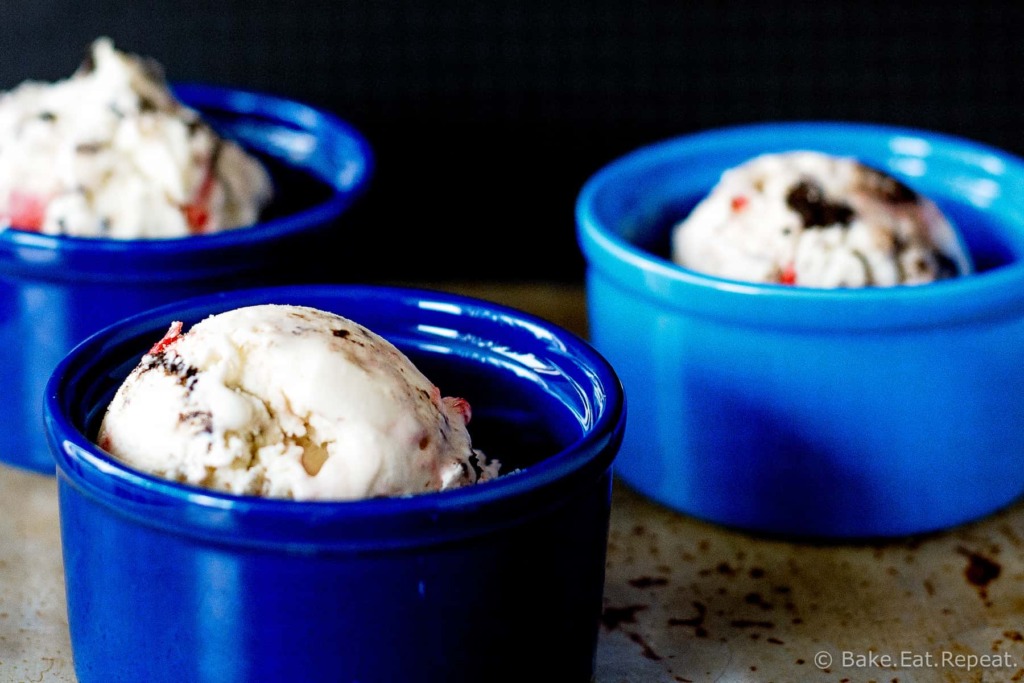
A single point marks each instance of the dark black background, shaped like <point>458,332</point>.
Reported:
<point>486,117</point>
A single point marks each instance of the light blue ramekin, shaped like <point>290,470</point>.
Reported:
<point>812,412</point>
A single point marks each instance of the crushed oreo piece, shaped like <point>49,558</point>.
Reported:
<point>340,334</point>
<point>173,365</point>
<point>885,187</point>
<point>815,210</point>
<point>201,420</point>
<point>153,69</point>
<point>218,146</point>
<point>194,125</point>
<point>89,147</point>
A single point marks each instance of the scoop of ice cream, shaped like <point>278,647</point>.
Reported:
<point>815,220</point>
<point>109,152</point>
<point>290,402</point>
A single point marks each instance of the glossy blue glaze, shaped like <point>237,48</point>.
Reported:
<point>56,290</point>
<point>500,581</point>
<point>797,411</point>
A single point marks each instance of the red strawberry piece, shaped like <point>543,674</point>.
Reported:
<point>788,276</point>
<point>197,212</point>
<point>461,406</point>
<point>27,210</point>
<point>172,335</point>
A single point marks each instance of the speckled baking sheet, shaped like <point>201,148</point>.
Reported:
<point>684,600</point>
<point>689,601</point>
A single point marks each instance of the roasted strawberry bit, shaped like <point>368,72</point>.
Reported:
<point>788,276</point>
<point>26,211</point>
<point>197,217</point>
<point>739,203</point>
<point>197,212</point>
<point>461,406</point>
<point>173,334</point>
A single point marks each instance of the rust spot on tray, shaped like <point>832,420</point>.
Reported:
<point>697,621</point>
<point>980,572</point>
<point>751,623</point>
<point>645,649</point>
<point>722,568</point>
<point>758,600</point>
<point>614,617</point>
<point>1012,535</point>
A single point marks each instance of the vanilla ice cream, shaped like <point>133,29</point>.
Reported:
<point>110,152</point>
<point>290,402</point>
<point>810,219</point>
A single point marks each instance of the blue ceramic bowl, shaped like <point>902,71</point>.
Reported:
<point>56,290</point>
<point>501,581</point>
<point>811,412</point>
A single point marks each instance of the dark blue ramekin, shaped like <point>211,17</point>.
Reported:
<point>56,290</point>
<point>813,412</point>
<point>500,581</point>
